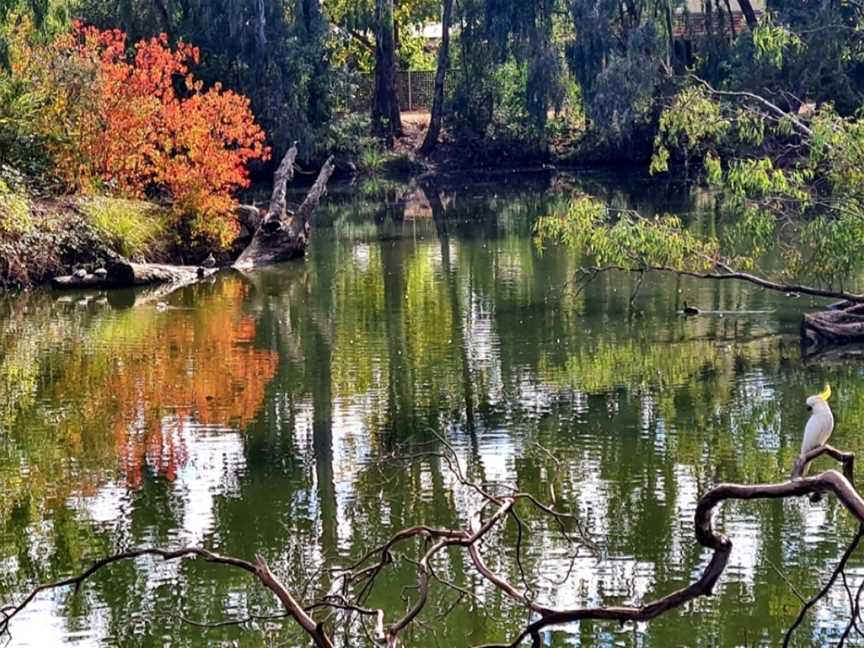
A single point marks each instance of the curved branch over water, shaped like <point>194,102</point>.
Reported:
<point>353,584</point>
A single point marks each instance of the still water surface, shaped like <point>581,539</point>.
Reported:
<point>252,415</point>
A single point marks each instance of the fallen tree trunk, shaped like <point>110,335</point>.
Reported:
<point>124,274</point>
<point>249,218</point>
<point>276,238</point>
<point>834,326</point>
<point>281,238</point>
<point>73,282</point>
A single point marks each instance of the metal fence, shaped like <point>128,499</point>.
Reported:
<point>415,88</point>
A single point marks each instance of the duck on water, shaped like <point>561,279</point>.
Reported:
<point>690,310</point>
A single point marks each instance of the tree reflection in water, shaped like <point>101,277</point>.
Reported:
<point>250,417</point>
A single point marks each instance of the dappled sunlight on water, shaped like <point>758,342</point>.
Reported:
<point>266,413</point>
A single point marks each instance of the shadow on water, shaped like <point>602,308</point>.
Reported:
<point>251,414</point>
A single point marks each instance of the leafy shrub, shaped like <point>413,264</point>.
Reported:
<point>14,211</point>
<point>371,161</point>
<point>136,123</point>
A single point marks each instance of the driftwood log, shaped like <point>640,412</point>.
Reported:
<point>840,324</point>
<point>124,274</point>
<point>282,235</point>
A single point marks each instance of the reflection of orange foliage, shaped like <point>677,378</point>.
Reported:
<point>161,371</point>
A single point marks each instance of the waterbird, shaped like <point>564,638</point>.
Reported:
<point>80,273</point>
<point>209,262</point>
<point>101,273</point>
<point>161,306</point>
<point>690,310</point>
<point>820,425</point>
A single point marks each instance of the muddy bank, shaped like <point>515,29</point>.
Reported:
<point>57,236</point>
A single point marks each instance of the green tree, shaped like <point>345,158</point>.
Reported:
<point>386,114</point>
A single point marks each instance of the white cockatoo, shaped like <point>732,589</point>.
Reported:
<point>821,423</point>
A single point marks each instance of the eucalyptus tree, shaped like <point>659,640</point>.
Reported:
<point>379,35</point>
<point>510,66</point>
<point>430,141</point>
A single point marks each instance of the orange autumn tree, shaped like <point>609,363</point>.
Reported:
<point>149,126</point>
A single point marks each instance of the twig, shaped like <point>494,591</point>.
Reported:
<point>785,578</point>
<point>837,570</point>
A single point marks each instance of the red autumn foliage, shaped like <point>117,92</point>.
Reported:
<point>155,127</point>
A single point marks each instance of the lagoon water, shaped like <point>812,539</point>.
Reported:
<point>259,413</point>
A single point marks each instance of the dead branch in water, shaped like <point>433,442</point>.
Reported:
<point>283,236</point>
<point>351,586</point>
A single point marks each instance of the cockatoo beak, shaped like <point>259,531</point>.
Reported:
<point>825,395</point>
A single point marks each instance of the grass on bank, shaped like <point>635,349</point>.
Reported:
<point>130,227</point>
<point>15,216</point>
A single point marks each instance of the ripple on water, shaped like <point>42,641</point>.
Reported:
<point>248,416</point>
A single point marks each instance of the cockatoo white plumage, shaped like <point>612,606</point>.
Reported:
<point>821,423</point>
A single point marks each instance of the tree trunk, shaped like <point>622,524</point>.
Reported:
<point>316,32</point>
<point>260,34</point>
<point>670,34</point>
<point>284,175</point>
<point>123,274</point>
<point>834,326</point>
<point>249,217</point>
<point>731,18</point>
<point>279,239</point>
<point>749,14</point>
<point>163,14</point>
<point>386,118</point>
<point>434,131</point>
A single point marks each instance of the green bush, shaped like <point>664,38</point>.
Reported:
<point>371,161</point>
<point>15,218</point>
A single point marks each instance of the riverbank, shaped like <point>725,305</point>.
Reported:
<point>42,236</point>
<point>569,147</point>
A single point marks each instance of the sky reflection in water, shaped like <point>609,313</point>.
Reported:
<point>251,416</point>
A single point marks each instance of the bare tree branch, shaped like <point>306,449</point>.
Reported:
<point>352,585</point>
<point>837,571</point>
<point>259,570</point>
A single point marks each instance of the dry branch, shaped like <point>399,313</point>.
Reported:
<point>280,238</point>
<point>351,586</point>
<point>284,174</point>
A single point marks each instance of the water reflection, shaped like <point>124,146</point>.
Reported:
<point>252,415</point>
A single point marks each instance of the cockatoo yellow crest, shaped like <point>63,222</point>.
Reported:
<point>821,423</point>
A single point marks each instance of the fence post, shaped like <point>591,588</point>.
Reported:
<point>410,98</point>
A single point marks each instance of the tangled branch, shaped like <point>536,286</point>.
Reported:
<point>352,586</point>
